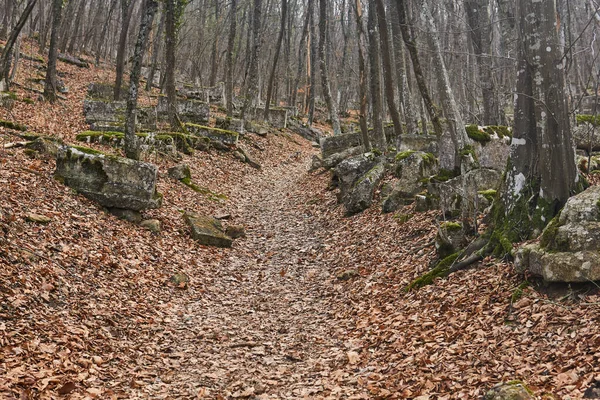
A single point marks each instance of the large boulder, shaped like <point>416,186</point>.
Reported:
<point>103,115</point>
<point>188,110</point>
<point>337,144</point>
<point>412,169</point>
<point>586,137</point>
<point>494,153</point>
<point>207,231</point>
<point>336,158</point>
<point>112,181</point>
<point>569,247</point>
<point>278,117</point>
<point>214,134</point>
<point>358,177</point>
<point>425,143</point>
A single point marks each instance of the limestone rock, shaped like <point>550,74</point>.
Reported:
<point>586,137</point>
<point>229,138</point>
<point>494,153</point>
<point>105,115</point>
<point>358,178</point>
<point>509,391</point>
<point>230,124</point>
<point>188,110</point>
<point>153,225</point>
<point>569,247</point>
<point>125,214</point>
<point>278,116</point>
<point>179,172</point>
<point>411,168</point>
<point>207,231</point>
<point>337,144</point>
<point>180,280</point>
<point>316,163</point>
<point>38,218</point>
<point>236,231</point>
<point>112,181</point>
<point>44,146</point>
<point>425,143</point>
<point>255,127</point>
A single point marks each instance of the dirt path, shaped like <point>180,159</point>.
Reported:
<point>265,326</point>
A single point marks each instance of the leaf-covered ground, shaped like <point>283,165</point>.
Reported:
<point>87,309</point>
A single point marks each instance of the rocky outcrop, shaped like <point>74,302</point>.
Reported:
<point>230,124</point>
<point>569,248</point>
<point>337,144</point>
<point>207,231</point>
<point>336,158</point>
<point>278,117</point>
<point>180,172</point>
<point>214,134</point>
<point>358,177</point>
<point>148,142</point>
<point>104,115</point>
<point>586,137</point>
<point>104,91</point>
<point>425,143</point>
<point>412,169</point>
<point>188,110</point>
<point>113,182</point>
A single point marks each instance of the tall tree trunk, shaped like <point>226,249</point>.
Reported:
<point>480,33</point>
<point>100,41</point>
<point>78,27</point>
<point>275,58</point>
<point>362,77</point>
<point>378,135</point>
<point>155,52</point>
<point>384,39</point>
<point>401,71</point>
<point>50,83</point>
<point>6,56</point>
<point>214,66</point>
<point>301,48</point>
<point>449,158</point>
<point>131,144</point>
<point>126,13</point>
<point>229,62</point>
<point>330,101</point>
<point>170,44</point>
<point>411,45</point>
<point>252,87</point>
<point>312,72</point>
<point>542,172</point>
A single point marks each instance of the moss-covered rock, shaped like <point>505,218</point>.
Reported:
<point>207,230</point>
<point>477,133</point>
<point>13,125</point>
<point>214,134</point>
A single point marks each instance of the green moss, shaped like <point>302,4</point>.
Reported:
<point>402,218</point>
<point>501,131</point>
<point>518,292</point>
<point>428,159</point>
<point>479,136</point>
<point>489,194</point>
<point>549,238</point>
<point>590,119</point>
<point>87,150</point>
<point>468,150</point>
<point>207,192</point>
<point>445,175</point>
<point>451,226</point>
<point>27,100</point>
<point>9,95</point>
<point>441,270</point>
<point>13,125</point>
<point>404,154</point>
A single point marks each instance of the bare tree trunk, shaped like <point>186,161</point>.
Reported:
<point>104,32</point>
<point>50,84</point>
<point>312,78</point>
<point>275,58</point>
<point>420,78</point>
<point>215,46</point>
<point>6,56</point>
<point>301,47</point>
<point>331,102</point>
<point>253,76</point>
<point>78,27</point>
<point>126,12</point>
<point>131,144</point>
<point>378,136</point>
<point>362,77</point>
<point>229,61</point>
<point>387,68</point>
<point>170,44</point>
<point>542,173</point>
<point>480,33</point>
<point>449,158</point>
<point>155,52</point>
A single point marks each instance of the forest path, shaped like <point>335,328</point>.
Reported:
<point>266,327</point>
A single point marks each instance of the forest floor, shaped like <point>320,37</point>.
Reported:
<point>310,305</point>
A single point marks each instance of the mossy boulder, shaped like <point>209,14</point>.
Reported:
<point>180,172</point>
<point>226,137</point>
<point>207,231</point>
<point>358,178</point>
<point>188,110</point>
<point>569,247</point>
<point>337,144</point>
<point>514,390</point>
<point>112,181</point>
<point>230,124</point>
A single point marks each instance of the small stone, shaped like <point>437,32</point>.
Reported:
<point>236,231</point>
<point>153,225</point>
<point>38,218</point>
<point>347,275</point>
<point>127,215</point>
<point>224,216</point>
<point>97,360</point>
<point>509,391</point>
<point>180,280</point>
<point>239,156</point>
<point>179,172</point>
<point>207,230</point>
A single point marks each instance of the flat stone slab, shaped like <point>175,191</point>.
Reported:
<point>207,231</point>
<point>337,144</point>
<point>214,134</point>
<point>112,181</point>
<point>189,110</point>
<point>110,115</point>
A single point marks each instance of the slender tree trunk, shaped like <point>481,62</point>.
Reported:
<point>170,44</point>
<point>362,77</point>
<point>387,68</point>
<point>103,34</point>
<point>378,135</point>
<point>126,12</point>
<point>50,83</point>
<point>253,75</point>
<point>155,52</point>
<point>418,71</point>
<point>312,77</point>
<point>131,144</point>
<point>329,100</point>
<point>214,66</point>
<point>301,48</point>
<point>6,56</point>
<point>229,61</point>
<point>275,59</point>
<point>78,27</point>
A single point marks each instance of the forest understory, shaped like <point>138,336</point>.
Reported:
<point>311,304</point>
